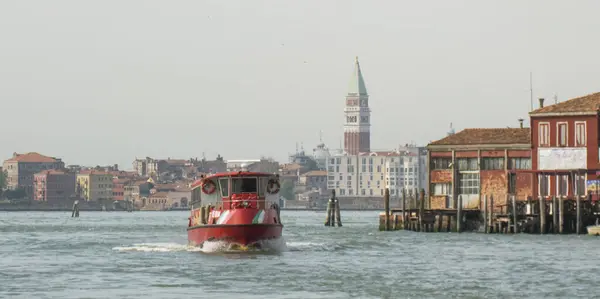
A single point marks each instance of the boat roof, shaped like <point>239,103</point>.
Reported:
<point>233,174</point>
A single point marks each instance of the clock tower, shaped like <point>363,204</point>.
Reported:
<point>357,125</point>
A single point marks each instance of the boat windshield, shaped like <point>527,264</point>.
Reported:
<point>243,185</point>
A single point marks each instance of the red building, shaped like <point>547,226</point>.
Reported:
<point>565,147</point>
<point>476,162</point>
<point>54,185</point>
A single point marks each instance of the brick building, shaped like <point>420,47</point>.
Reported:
<point>565,151</point>
<point>54,186</point>
<point>475,162</point>
<point>21,169</point>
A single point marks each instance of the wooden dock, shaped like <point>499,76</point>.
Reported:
<point>509,215</point>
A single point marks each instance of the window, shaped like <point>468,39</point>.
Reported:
<point>580,184</point>
<point>243,185</point>
<point>467,164</point>
<point>469,183</point>
<point>492,163</point>
<point>512,183</point>
<point>561,136</point>
<point>437,163</point>
<point>580,133</point>
<point>544,134</point>
<point>543,185</point>
<point>441,189</point>
<point>562,185</point>
<point>363,192</point>
<point>519,163</point>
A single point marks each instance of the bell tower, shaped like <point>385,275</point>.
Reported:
<point>357,125</point>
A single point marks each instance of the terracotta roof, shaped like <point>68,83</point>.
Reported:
<point>316,173</point>
<point>31,158</point>
<point>159,194</point>
<point>487,136</point>
<point>587,103</point>
<point>51,171</point>
<point>93,171</point>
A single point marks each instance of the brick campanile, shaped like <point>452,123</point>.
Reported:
<point>357,126</point>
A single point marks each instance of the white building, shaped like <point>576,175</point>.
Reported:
<point>369,174</point>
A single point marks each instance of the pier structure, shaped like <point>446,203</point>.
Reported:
<point>540,179</point>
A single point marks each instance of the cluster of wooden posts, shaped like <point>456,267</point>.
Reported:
<point>333,211</point>
<point>504,215</point>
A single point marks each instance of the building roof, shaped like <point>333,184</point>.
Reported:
<point>357,82</point>
<point>94,172</point>
<point>586,104</point>
<point>316,173</point>
<point>159,194</point>
<point>32,157</point>
<point>381,153</point>
<point>487,136</point>
<point>51,171</point>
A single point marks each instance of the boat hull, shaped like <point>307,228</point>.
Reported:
<point>241,234</point>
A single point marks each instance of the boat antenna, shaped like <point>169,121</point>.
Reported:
<point>555,98</point>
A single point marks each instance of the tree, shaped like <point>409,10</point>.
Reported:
<point>287,190</point>
<point>3,181</point>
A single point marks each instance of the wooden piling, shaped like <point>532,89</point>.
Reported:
<point>542,214</point>
<point>329,212</point>
<point>578,221</point>
<point>386,204</point>
<point>554,215</point>
<point>485,216</point>
<point>75,210</point>
<point>459,214</point>
<point>421,209</point>
<point>491,225</point>
<point>338,213</point>
<point>514,212</point>
<point>561,215</point>
<point>404,222</point>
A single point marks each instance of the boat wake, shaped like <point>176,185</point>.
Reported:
<point>266,246</point>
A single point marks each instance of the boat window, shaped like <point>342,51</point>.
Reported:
<point>262,186</point>
<point>243,185</point>
<point>224,185</point>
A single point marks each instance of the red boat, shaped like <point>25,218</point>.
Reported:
<point>241,208</point>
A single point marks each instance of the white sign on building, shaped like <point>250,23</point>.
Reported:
<point>562,158</point>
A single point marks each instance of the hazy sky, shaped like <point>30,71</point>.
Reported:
<point>101,82</point>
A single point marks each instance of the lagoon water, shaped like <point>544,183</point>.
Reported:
<point>144,255</point>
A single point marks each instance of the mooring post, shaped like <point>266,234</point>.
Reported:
<point>491,225</point>
<point>578,222</point>
<point>459,213</point>
<point>485,216</point>
<point>75,210</point>
<point>561,215</point>
<point>338,213</point>
<point>329,212</point>
<point>514,212</point>
<point>386,204</point>
<point>554,215</point>
<point>404,224</point>
<point>542,215</point>
<point>421,209</point>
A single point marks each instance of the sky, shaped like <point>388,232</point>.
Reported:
<point>104,82</point>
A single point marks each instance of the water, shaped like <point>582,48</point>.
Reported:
<point>143,255</point>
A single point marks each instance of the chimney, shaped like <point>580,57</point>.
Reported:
<point>541,102</point>
<point>521,123</point>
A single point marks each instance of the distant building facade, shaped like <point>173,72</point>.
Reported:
<point>21,169</point>
<point>94,185</point>
<point>54,186</point>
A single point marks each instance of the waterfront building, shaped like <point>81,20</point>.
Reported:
<point>476,162</point>
<point>565,153</point>
<point>94,185</point>
<point>367,175</point>
<point>21,169</point>
<point>54,186</point>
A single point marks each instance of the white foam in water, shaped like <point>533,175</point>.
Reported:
<point>277,245</point>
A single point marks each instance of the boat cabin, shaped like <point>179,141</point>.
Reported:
<point>232,190</point>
